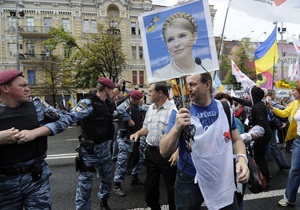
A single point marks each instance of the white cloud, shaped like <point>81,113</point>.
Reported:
<point>239,24</point>
<point>164,2</point>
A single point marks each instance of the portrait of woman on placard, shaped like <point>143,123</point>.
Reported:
<point>180,33</point>
<point>178,41</point>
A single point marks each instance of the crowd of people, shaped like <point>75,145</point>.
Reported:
<point>191,149</point>
<point>278,118</point>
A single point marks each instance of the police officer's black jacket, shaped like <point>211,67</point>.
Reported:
<point>99,125</point>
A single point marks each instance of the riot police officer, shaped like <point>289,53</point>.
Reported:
<point>94,149</point>
<point>24,174</point>
<point>130,121</point>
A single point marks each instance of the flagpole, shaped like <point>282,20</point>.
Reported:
<point>274,65</point>
<point>273,72</point>
<point>222,36</point>
<point>181,91</point>
<point>281,33</point>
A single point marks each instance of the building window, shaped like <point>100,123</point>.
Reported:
<point>141,77</point>
<point>133,28</point>
<point>30,49</point>
<point>134,77</point>
<point>133,52</point>
<point>11,25</point>
<point>12,49</point>
<point>29,24</point>
<point>93,26</point>
<point>31,74</point>
<point>66,24</point>
<point>47,24</point>
<point>141,53</point>
<point>86,26</point>
<point>113,16</point>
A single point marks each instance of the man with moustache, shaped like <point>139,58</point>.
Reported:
<point>155,123</point>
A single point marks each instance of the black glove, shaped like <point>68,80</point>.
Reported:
<point>78,163</point>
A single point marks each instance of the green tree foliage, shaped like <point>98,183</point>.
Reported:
<point>59,37</point>
<point>53,80</point>
<point>101,56</point>
<point>54,76</point>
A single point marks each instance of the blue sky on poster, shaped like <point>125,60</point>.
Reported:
<point>155,37</point>
<point>239,24</point>
<point>157,55</point>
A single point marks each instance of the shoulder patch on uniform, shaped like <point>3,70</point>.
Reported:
<point>80,106</point>
<point>44,103</point>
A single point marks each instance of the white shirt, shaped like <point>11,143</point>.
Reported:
<point>156,121</point>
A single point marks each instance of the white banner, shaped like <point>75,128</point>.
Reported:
<point>241,77</point>
<point>287,11</point>
<point>294,71</point>
<point>296,44</point>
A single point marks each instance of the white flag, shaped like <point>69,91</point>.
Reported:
<point>290,70</point>
<point>287,11</point>
<point>240,76</point>
<point>295,71</point>
<point>296,44</point>
<point>232,93</point>
<point>63,99</point>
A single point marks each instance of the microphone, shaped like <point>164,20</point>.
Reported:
<point>125,82</point>
<point>199,62</point>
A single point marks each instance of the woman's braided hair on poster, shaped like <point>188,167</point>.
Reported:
<point>192,26</point>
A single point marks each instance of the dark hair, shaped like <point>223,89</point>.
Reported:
<point>226,96</point>
<point>207,77</point>
<point>270,92</point>
<point>161,86</point>
<point>100,87</point>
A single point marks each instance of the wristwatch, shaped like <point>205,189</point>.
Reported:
<point>241,155</point>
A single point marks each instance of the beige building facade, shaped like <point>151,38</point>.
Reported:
<point>33,20</point>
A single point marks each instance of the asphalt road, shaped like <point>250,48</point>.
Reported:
<point>61,154</point>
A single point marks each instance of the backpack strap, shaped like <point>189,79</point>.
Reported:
<point>227,112</point>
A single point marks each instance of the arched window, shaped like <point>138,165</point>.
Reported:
<point>113,16</point>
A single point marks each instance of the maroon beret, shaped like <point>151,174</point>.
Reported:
<point>136,94</point>
<point>8,75</point>
<point>107,82</point>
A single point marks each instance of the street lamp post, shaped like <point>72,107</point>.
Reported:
<point>17,36</point>
<point>250,33</point>
<point>18,5</point>
<point>281,31</point>
<point>259,37</point>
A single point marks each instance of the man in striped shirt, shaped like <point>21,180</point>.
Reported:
<point>155,123</point>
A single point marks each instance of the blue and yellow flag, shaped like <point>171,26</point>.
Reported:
<point>266,54</point>
<point>72,100</point>
<point>217,84</point>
